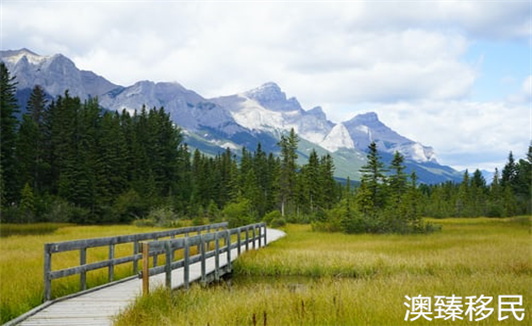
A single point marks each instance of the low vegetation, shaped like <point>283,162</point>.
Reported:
<point>323,278</point>
<point>21,262</point>
<point>7,229</point>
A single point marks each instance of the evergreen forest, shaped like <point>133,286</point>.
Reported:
<point>68,160</point>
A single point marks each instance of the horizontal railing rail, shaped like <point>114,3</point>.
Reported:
<point>257,238</point>
<point>111,262</point>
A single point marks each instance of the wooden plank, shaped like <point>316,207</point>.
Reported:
<point>100,242</point>
<point>99,307</point>
<point>145,268</point>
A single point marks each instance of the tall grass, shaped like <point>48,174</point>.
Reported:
<point>8,229</point>
<point>22,259</point>
<point>313,278</point>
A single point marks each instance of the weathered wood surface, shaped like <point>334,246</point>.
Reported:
<point>83,245</point>
<point>99,307</point>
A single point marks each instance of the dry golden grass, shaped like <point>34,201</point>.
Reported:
<point>21,265</point>
<point>311,278</point>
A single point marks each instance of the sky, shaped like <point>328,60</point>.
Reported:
<point>454,75</point>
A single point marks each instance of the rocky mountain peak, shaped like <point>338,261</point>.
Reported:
<point>272,97</point>
<point>244,119</point>
<point>14,56</point>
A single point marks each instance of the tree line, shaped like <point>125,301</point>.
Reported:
<point>68,160</point>
<point>508,194</point>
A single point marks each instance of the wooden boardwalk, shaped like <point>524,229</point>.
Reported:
<point>99,306</point>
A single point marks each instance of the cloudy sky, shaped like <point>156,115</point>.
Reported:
<point>455,75</point>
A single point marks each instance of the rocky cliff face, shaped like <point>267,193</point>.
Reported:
<point>260,115</point>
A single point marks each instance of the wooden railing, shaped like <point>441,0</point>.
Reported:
<point>253,234</point>
<point>111,262</point>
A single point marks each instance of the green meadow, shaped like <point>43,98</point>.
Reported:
<point>315,278</point>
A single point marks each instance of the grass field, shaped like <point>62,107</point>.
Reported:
<point>21,262</point>
<point>312,278</point>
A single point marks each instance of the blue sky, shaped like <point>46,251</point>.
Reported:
<point>502,68</point>
<point>454,75</point>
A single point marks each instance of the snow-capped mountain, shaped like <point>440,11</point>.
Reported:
<point>267,108</point>
<point>55,73</point>
<point>261,114</point>
<point>366,128</point>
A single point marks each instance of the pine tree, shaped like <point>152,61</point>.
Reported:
<point>9,191</point>
<point>397,180</point>
<point>287,180</point>
<point>37,108</point>
<point>509,173</point>
<point>463,202</point>
<point>374,181</point>
<point>27,151</point>
<point>27,205</point>
<point>328,195</point>
<point>110,166</point>
<point>312,181</point>
<point>495,208</point>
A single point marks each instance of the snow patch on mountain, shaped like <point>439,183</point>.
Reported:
<point>367,128</point>
<point>338,138</point>
<point>13,57</point>
<point>266,108</point>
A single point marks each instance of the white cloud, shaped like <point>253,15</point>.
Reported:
<point>403,59</point>
<point>465,134</point>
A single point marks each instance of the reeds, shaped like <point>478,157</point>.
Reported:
<point>313,278</point>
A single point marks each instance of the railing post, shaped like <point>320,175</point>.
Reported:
<point>155,254</point>
<point>247,238</point>
<point>203,261</point>
<point>239,241</point>
<point>135,259</point>
<point>47,270</point>
<point>260,236</point>
<point>145,268</point>
<point>208,242</point>
<point>254,237</point>
<point>199,234</point>
<point>228,246</point>
<point>83,275</point>
<point>186,267</point>
<point>265,235</point>
<point>168,264</point>
<point>216,256</point>
<point>111,264</point>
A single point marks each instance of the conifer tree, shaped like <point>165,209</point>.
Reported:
<point>373,182</point>
<point>287,178</point>
<point>328,196</point>
<point>397,180</point>
<point>9,190</point>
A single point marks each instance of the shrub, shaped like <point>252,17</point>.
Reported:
<point>268,218</point>
<point>163,216</point>
<point>278,222</point>
<point>238,213</point>
<point>128,206</point>
<point>63,211</point>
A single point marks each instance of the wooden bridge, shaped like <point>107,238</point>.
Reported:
<point>204,257</point>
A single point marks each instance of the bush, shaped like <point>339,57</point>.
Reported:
<point>63,211</point>
<point>238,213</point>
<point>268,218</point>
<point>128,206</point>
<point>278,222</point>
<point>163,217</point>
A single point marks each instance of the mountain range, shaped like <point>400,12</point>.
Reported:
<point>261,114</point>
